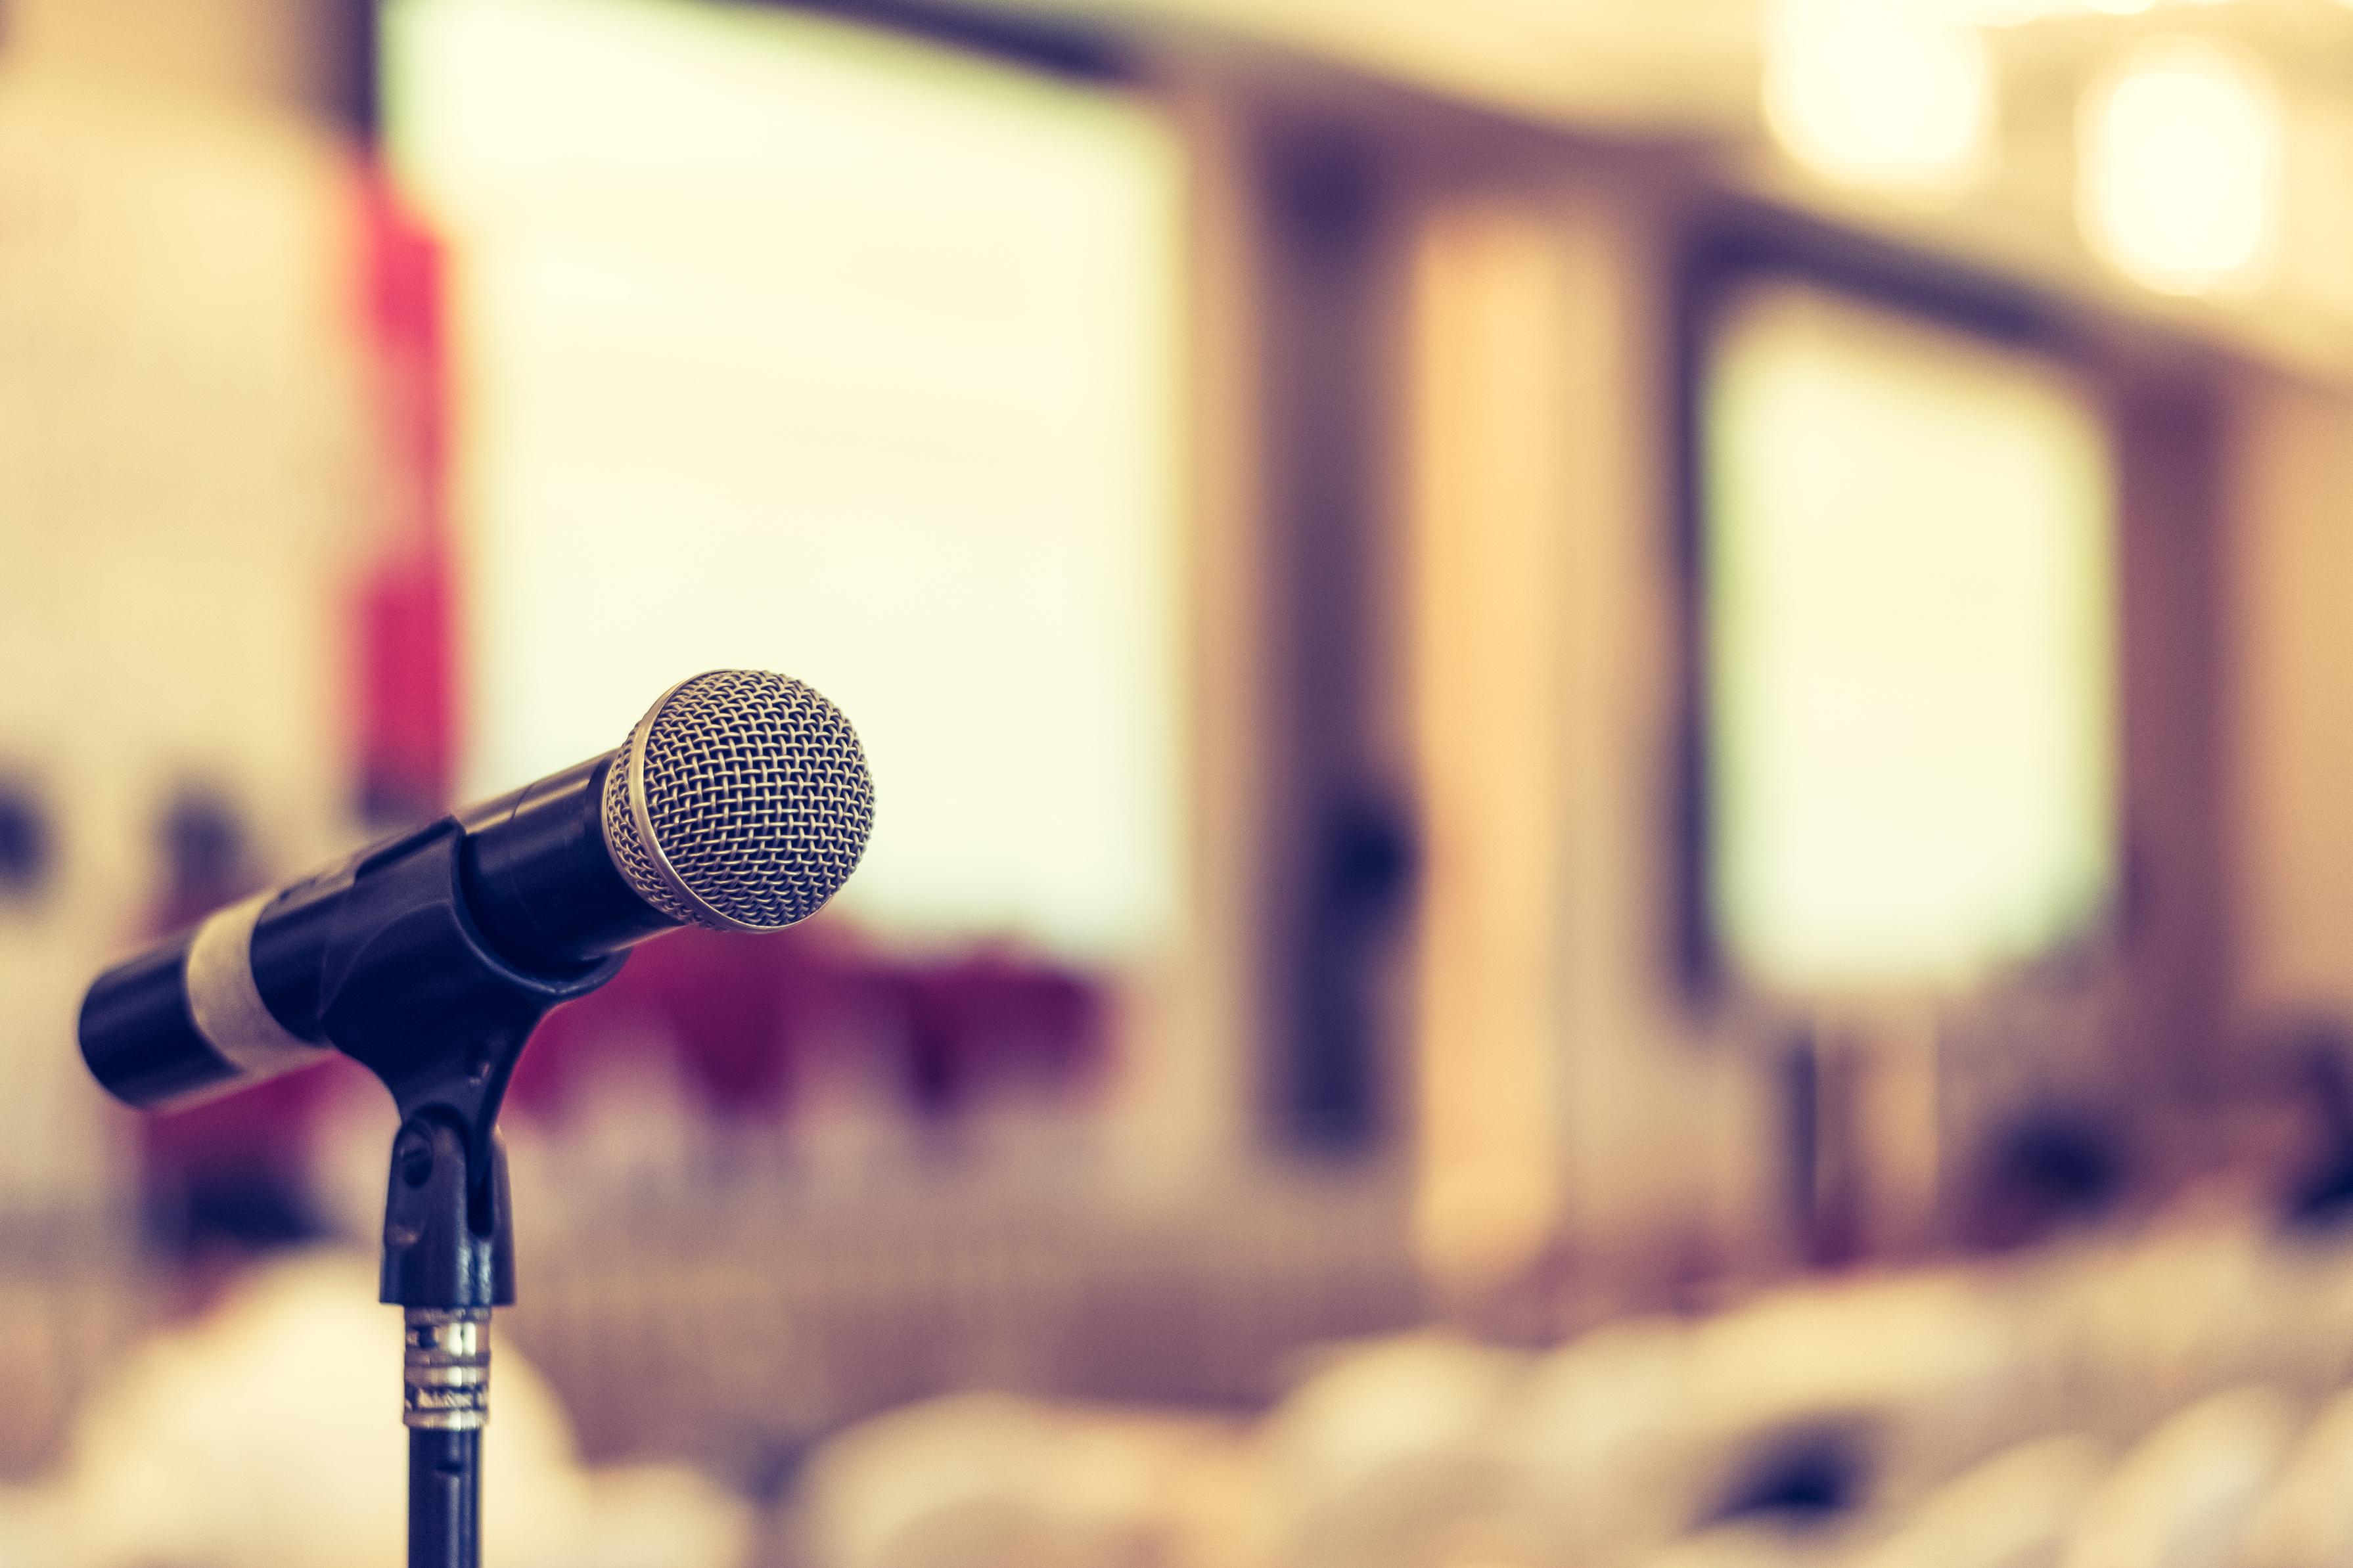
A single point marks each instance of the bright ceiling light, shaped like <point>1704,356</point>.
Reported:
<point>1884,92</point>
<point>2180,165</point>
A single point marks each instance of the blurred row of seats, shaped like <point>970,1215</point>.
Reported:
<point>2173,1399</point>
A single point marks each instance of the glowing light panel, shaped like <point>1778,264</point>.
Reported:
<point>788,345</point>
<point>1909,619</point>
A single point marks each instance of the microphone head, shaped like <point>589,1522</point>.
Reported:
<point>739,802</point>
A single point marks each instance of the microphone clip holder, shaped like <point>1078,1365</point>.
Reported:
<point>411,989</point>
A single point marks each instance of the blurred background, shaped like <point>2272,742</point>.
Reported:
<point>1614,748</point>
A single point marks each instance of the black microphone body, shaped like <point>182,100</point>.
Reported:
<point>540,880</point>
<point>485,918</point>
<point>534,886</point>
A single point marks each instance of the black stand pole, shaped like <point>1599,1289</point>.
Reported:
<point>445,1498</point>
<point>416,994</point>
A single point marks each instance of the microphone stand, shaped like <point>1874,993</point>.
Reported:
<point>412,990</point>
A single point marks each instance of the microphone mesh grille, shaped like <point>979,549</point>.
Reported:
<point>759,796</point>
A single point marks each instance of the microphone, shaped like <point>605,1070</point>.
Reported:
<point>739,802</point>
